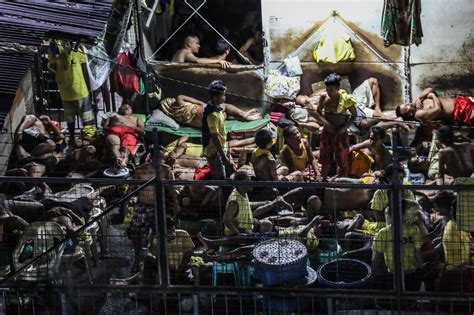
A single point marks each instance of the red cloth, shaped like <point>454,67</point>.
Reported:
<point>274,116</point>
<point>337,145</point>
<point>463,107</point>
<point>127,135</point>
<point>125,77</point>
<point>202,173</point>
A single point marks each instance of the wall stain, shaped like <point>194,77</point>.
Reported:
<point>450,85</point>
<point>392,53</point>
<point>246,83</point>
<point>291,39</point>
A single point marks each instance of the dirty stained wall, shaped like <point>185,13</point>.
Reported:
<point>244,83</point>
<point>443,60</point>
<point>291,24</point>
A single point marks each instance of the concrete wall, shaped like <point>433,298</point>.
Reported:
<point>244,83</point>
<point>22,104</point>
<point>444,59</point>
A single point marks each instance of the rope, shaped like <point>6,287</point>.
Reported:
<point>250,98</point>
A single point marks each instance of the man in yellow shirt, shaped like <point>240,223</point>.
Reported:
<point>214,134</point>
<point>382,252</point>
<point>180,250</point>
<point>332,112</point>
<point>381,197</point>
<point>456,245</point>
<point>67,63</point>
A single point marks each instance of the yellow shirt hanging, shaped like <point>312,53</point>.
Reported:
<point>334,45</point>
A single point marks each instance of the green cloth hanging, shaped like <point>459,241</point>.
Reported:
<point>401,22</point>
<point>142,86</point>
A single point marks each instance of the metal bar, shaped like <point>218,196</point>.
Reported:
<point>140,38</point>
<point>94,289</point>
<point>396,215</point>
<point>117,181</point>
<point>78,231</point>
<point>177,30</point>
<point>160,215</point>
<point>152,13</point>
<point>12,179</point>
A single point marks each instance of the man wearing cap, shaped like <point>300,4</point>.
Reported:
<point>214,134</point>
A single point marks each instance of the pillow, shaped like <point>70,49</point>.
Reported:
<point>158,118</point>
<point>140,116</point>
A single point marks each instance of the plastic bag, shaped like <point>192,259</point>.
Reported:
<point>277,85</point>
<point>293,66</point>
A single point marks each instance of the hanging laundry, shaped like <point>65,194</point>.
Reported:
<point>126,79</point>
<point>334,45</point>
<point>401,23</point>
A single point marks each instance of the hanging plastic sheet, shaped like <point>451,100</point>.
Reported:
<point>101,58</point>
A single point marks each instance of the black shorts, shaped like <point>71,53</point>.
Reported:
<point>29,142</point>
<point>81,206</point>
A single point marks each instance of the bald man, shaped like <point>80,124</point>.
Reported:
<point>188,53</point>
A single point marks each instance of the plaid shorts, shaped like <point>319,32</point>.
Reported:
<point>81,108</point>
<point>142,222</point>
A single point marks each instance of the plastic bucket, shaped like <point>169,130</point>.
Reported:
<point>328,250</point>
<point>344,273</point>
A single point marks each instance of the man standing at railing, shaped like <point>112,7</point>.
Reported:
<point>214,134</point>
<point>143,220</point>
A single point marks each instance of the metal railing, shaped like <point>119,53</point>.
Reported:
<point>113,287</point>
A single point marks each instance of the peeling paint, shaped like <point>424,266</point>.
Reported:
<point>282,44</point>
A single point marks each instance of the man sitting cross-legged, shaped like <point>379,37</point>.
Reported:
<point>376,148</point>
<point>264,163</point>
<point>296,155</point>
<point>240,224</point>
<point>455,159</point>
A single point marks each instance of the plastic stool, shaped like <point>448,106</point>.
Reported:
<point>224,268</point>
<point>244,275</point>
